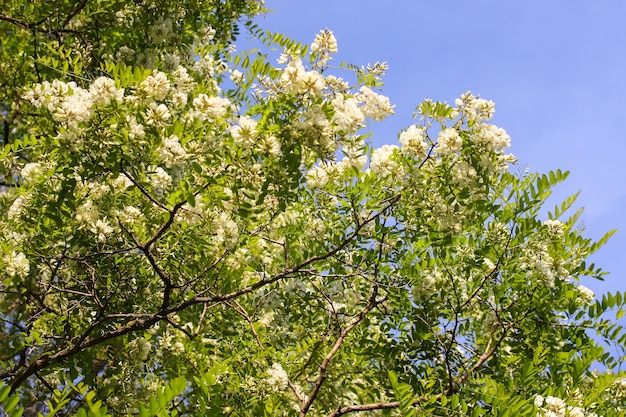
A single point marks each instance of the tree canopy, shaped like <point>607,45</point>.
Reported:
<point>192,230</point>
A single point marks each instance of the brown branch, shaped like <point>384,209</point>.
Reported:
<point>371,303</point>
<point>83,341</point>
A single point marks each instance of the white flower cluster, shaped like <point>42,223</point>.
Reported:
<point>475,108</point>
<point>324,45</point>
<point>586,294</point>
<point>556,407</point>
<point>88,217</point>
<point>449,141</point>
<point>161,30</point>
<point>172,152</point>
<point>347,117</point>
<point>210,108</point>
<point>382,162</point>
<point>376,106</point>
<point>277,377</point>
<point>138,349</point>
<point>555,228</point>
<point>70,104</point>
<point>413,141</point>
<point>17,264</point>
<point>295,79</point>
<point>17,209</point>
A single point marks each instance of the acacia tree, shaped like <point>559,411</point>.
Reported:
<point>187,230</point>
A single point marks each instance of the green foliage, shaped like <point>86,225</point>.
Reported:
<point>185,230</point>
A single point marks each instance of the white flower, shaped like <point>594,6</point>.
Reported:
<point>129,215</point>
<point>556,405</point>
<point>317,177</point>
<point>171,61</point>
<point>449,141</point>
<point>277,377</point>
<point>161,30</point>
<point>586,294</point>
<point>157,115</point>
<point>495,138</point>
<point>135,130</point>
<point>20,204</point>
<point>101,228</point>
<point>139,349</point>
<point>324,44</point>
<point>575,412</point>
<point>413,141</point>
<point>375,106</point>
<point>103,91</point>
<point>87,214</point>
<point>31,171</point>
<point>245,133</point>
<point>160,178</point>
<point>347,116</point>
<point>311,82</point>
<point>269,145</point>
<point>172,152</point>
<point>125,54</point>
<point>381,162</point>
<point>210,107</point>
<point>325,40</point>
<point>555,227</point>
<point>178,348</point>
<point>292,76</point>
<point>17,264</point>
<point>237,77</point>
<point>155,86</point>
<point>227,231</point>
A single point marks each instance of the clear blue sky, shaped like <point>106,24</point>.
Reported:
<point>556,70</point>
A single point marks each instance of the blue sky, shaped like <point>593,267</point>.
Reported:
<point>555,69</point>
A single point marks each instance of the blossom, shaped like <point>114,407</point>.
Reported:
<point>347,116</point>
<point>323,45</point>
<point>317,177</point>
<point>325,41</point>
<point>103,90</point>
<point>17,264</point>
<point>269,145</point>
<point>157,114</point>
<point>245,133</point>
<point>160,178</point>
<point>226,230</point>
<point>555,227</point>
<point>210,107</point>
<point>413,141</point>
<point>161,30</point>
<point>277,377</point>
<point>376,106</point>
<point>586,294</point>
<point>291,78</point>
<point>129,215</point>
<point>31,171</point>
<point>125,54</point>
<point>138,349</point>
<point>311,82</point>
<point>382,162</point>
<point>155,86</point>
<point>135,130</point>
<point>171,151</point>
<point>237,77</point>
<point>493,137</point>
<point>475,108</point>
<point>20,204</point>
<point>87,214</point>
<point>449,141</point>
